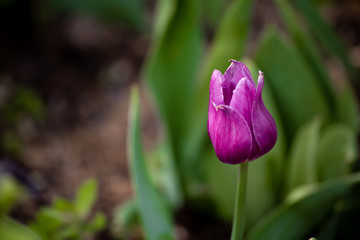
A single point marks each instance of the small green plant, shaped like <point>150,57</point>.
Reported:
<point>10,193</point>
<point>71,220</point>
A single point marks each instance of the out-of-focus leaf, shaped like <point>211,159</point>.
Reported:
<point>302,164</point>
<point>262,189</point>
<point>48,221</point>
<point>11,142</point>
<point>165,10</point>
<point>307,47</point>
<point>85,198</point>
<point>170,70</point>
<point>213,10</point>
<point>328,233</point>
<point>69,232</point>
<point>162,173</point>
<point>98,223</point>
<point>221,180</point>
<point>125,218</point>
<point>171,67</point>
<point>23,101</point>
<point>304,209</point>
<point>154,215</point>
<point>326,36</point>
<point>10,192</point>
<point>12,230</point>
<point>62,205</point>
<point>347,107</point>
<point>336,152</point>
<point>229,43</point>
<point>296,92</point>
<point>129,11</point>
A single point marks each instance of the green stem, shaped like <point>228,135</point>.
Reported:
<point>239,213</point>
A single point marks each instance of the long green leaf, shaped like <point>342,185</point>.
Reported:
<point>326,36</point>
<point>347,107</point>
<point>337,151</point>
<point>302,211</point>
<point>171,68</point>
<point>302,164</point>
<point>154,215</point>
<point>293,84</point>
<point>308,49</point>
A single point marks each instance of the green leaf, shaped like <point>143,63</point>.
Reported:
<point>162,173</point>
<point>98,223</point>
<point>48,221</point>
<point>85,198</point>
<point>125,218</point>
<point>326,36</point>
<point>302,164</point>
<point>347,107</point>
<point>337,150</point>
<point>62,205</point>
<point>154,215</point>
<point>10,192</point>
<point>212,11</point>
<point>171,68</point>
<point>308,49</point>
<point>221,180</point>
<point>12,230</point>
<point>170,71</point>
<point>302,211</point>
<point>296,92</point>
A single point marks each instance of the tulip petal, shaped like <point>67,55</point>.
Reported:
<point>229,134</point>
<point>243,99</point>
<point>235,72</point>
<point>264,127</point>
<point>216,91</point>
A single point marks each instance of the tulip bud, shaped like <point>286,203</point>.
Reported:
<point>239,125</point>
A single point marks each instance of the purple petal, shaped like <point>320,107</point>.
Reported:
<point>243,99</point>
<point>264,128</point>
<point>229,134</point>
<point>235,72</point>
<point>216,91</point>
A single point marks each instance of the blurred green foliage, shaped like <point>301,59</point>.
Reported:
<point>306,185</point>
<point>10,193</point>
<point>62,220</point>
<point>310,170</point>
<point>71,220</point>
<point>21,103</point>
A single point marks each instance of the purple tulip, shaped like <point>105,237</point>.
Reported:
<point>239,125</point>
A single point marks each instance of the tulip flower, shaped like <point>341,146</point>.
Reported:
<point>239,125</point>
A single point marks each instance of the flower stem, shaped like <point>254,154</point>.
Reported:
<point>239,212</point>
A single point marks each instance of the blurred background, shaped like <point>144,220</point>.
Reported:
<point>66,67</point>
